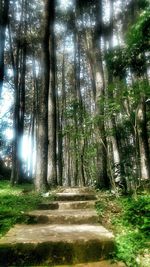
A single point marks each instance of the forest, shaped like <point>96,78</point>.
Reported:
<point>74,84</point>
<point>75,112</point>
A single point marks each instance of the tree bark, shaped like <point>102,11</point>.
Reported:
<point>19,70</point>
<point>21,114</point>
<point>143,140</point>
<point>42,138</point>
<point>15,66</point>
<point>62,106</point>
<point>112,122</point>
<point>102,178</point>
<point>4,8</point>
<point>52,158</point>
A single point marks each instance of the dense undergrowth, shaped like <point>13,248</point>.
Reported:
<point>129,219</point>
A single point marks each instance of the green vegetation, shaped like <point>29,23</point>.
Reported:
<point>15,201</point>
<point>129,219</point>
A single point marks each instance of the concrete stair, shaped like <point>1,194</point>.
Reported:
<point>75,196</point>
<point>65,231</point>
<point>64,216</point>
<point>63,205</point>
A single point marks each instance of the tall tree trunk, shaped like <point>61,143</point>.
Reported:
<point>102,178</point>
<point>21,115</point>
<point>75,92</point>
<point>112,123</point>
<point>4,8</point>
<point>15,66</point>
<point>68,161</point>
<point>62,106</point>
<point>60,149</point>
<point>19,69</point>
<point>42,138</point>
<point>81,113</point>
<point>94,55</point>
<point>22,85</point>
<point>143,140</point>
<point>34,120</point>
<point>52,158</point>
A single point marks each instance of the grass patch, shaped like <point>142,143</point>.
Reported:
<point>15,201</point>
<point>129,219</point>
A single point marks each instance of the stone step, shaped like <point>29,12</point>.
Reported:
<point>27,245</point>
<point>77,190</point>
<point>103,263</point>
<point>77,205</point>
<point>86,216</point>
<point>73,196</point>
<point>48,205</point>
<point>62,205</point>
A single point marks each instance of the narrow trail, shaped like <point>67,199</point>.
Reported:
<point>65,231</point>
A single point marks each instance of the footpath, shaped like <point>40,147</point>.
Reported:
<point>63,232</point>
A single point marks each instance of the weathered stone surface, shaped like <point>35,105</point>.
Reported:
<point>64,216</point>
<point>69,234</point>
<point>90,204</point>
<point>77,205</point>
<point>54,244</point>
<point>48,205</point>
<point>104,263</point>
<point>76,190</point>
<point>75,196</point>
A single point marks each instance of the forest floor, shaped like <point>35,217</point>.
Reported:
<point>127,217</point>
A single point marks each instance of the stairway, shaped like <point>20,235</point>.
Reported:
<point>65,231</point>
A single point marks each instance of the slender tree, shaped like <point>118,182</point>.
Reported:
<point>42,124</point>
<point>52,159</point>
<point>4,8</point>
<point>143,139</point>
<point>102,177</point>
<point>19,71</point>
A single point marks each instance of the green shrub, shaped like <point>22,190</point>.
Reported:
<point>127,247</point>
<point>137,213</point>
<point>133,228</point>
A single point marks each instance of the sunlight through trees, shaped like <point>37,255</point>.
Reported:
<point>74,83</point>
